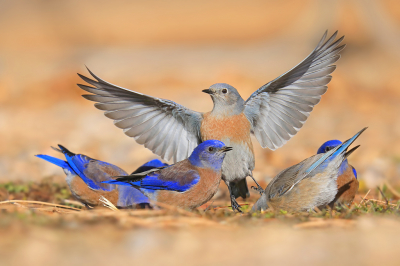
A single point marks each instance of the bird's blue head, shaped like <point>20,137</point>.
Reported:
<point>209,154</point>
<point>331,144</point>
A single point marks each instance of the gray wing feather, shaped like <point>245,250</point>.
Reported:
<point>166,128</point>
<point>279,109</point>
<point>289,177</point>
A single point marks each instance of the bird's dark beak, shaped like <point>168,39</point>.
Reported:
<point>226,149</point>
<point>209,91</point>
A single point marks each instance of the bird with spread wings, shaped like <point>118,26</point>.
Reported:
<point>273,114</point>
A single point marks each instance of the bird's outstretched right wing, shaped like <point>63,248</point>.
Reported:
<point>279,109</point>
<point>168,129</point>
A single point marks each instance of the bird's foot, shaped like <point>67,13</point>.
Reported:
<point>259,189</point>
<point>235,205</point>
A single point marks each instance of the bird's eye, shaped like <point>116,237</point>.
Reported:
<point>210,149</point>
<point>328,149</point>
<point>224,91</point>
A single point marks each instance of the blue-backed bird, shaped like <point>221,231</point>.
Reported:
<point>187,184</point>
<point>308,184</point>
<point>347,182</point>
<point>274,114</point>
<point>85,176</point>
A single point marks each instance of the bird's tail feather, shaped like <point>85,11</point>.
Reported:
<point>53,160</point>
<point>56,149</point>
<point>76,163</point>
<point>65,151</point>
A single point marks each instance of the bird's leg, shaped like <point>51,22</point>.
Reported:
<point>259,189</point>
<point>234,204</point>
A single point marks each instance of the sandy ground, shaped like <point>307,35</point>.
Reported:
<point>368,241</point>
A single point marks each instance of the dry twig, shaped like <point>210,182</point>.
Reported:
<point>383,195</point>
<point>379,201</point>
<point>364,197</point>
<point>41,203</point>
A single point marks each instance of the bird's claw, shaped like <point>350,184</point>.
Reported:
<point>259,189</point>
<point>235,205</point>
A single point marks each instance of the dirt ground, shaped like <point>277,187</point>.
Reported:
<point>173,50</point>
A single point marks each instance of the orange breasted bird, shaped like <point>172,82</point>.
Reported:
<point>187,184</point>
<point>273,114</point>
<point>85,176</point>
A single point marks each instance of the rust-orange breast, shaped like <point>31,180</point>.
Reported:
<point>347,187</point>
<point>236,128</point>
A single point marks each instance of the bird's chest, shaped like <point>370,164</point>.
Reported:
<point>234,131</point>
<point>347,186</point>
<point>88,196</point>
<point>345,177</point>
<point>234,128</point>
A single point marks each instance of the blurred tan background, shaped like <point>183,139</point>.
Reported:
<point>175,49</point>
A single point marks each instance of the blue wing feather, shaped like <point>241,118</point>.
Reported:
<point>354,172</point>
<point>150,165</point>
<point>338,150</point>
<point>56,161</point>
<point>130,196</point>
<point>79,163</point>
<point>155,181</point>
<point>91,171</point>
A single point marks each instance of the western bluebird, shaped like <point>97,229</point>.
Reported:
<point>274,113</point>
<point>85,176</point>
<point>308,184</point>
<point>187,184</point>
<point>347,182</point>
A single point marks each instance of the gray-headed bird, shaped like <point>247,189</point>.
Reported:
<point>273,114</point>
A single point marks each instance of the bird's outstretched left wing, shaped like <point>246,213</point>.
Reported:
<point>168,129</point>
<point>279,109</point>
